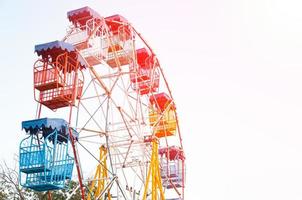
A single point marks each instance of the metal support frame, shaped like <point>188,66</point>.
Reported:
<point>97,185</point>
<point>122,141</point>
<point>154,176</point>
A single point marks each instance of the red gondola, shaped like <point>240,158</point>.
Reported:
<point>56,75</point>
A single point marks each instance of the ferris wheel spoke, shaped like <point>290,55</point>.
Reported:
<point>102,84</point>
<point>119,154</point>
<point>91,154</point>
<point>125,91</point>
<point>131,119</point>
<point>92,116</point>
<point>95,89</point>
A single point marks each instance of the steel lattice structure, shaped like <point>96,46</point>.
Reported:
<point>107,81</point>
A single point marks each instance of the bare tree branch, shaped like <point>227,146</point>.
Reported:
<point>9,177</point>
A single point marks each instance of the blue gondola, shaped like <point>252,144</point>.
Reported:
<point>44,160</point>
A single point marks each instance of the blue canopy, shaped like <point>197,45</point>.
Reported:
<point>58,47</point>
<point>81,15</point>
<point>40,48</point>
<point>48,125</point>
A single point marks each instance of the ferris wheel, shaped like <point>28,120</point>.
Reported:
<point>116,120</point>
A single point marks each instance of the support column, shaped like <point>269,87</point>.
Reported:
<point>154,175</point>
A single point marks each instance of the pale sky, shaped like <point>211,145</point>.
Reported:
<point>235,71</point>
